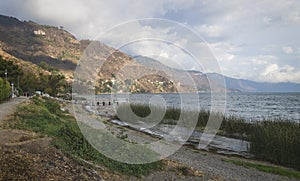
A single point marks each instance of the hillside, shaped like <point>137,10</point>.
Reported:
<point>29,44</point>
<point>38,49</point>
<point>35,43</point>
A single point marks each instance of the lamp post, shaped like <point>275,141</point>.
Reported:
<point>12,90</point>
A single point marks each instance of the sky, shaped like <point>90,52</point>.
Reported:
<point>257,40</point>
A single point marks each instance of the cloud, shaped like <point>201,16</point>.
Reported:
<point>225,51</point>
<point>267,20</point>
<point>212,31</point>
<point>287,50</point>
<point>87,19</point>
<point>248,37</point>
<point>275,73</point>
<point>158,38</point>
<point>263,68</point>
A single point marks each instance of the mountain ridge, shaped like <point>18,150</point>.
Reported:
<point>31,44</point>
<point>232,84</point>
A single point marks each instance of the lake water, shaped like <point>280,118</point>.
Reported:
<point>251,106</point>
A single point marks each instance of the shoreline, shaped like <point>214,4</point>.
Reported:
<point>252,107</point>
<point>185,164</point>
<point>233,128</point>
<point>206,159</point>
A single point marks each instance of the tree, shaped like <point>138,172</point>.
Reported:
<point>4,90</point>
<point>54,83</point>
<point>29,82</point>
<point>14,72</point>
<point>46,66</point>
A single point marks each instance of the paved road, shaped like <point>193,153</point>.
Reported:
<point>7,108</point>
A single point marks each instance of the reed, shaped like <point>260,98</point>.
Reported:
<point>277,141</point>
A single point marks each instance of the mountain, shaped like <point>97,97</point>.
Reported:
<point>39,49</point>
<point>232,84</point>
<point>31,45</point>
<point>252,86</point>
<point>35,43</point>
<point>200,80</point>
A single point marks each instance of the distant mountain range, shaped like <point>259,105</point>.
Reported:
<point>28,44</point>
<point>252,86</point>
<point>232,84</point>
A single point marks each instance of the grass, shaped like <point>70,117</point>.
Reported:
<point>44,116</point>
<point>277,141</point>
<point>267,168</point>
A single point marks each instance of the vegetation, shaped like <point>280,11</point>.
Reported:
<point>47,67</point>
<point>266,168</point>
<point>53,82</point>
<point>277,141</point>
<point>4,90</point>
<point>44,116</point>
<point>13,70</point>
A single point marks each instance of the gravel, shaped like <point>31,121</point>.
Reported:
<point>214,166</point>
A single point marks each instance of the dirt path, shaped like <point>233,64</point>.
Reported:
<point>8,107</point>
<point>214,165</point>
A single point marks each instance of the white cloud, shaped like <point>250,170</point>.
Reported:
<point>259,61</point>
<point>295,16</point>
<point>267,20</point>
<point>263,68</point>
<point>53,11</point>
<point>224,51</point>
<point>270,69</point>
<point>287,50</point>
<point>210,30</point>
<point>269,48</point>
<point>275,73</point>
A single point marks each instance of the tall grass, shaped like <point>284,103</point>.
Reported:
<point>277,141</point>
<point>44,116</point>
<point>231,126</point>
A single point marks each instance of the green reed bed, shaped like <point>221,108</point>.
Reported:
<point>277,141</point>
